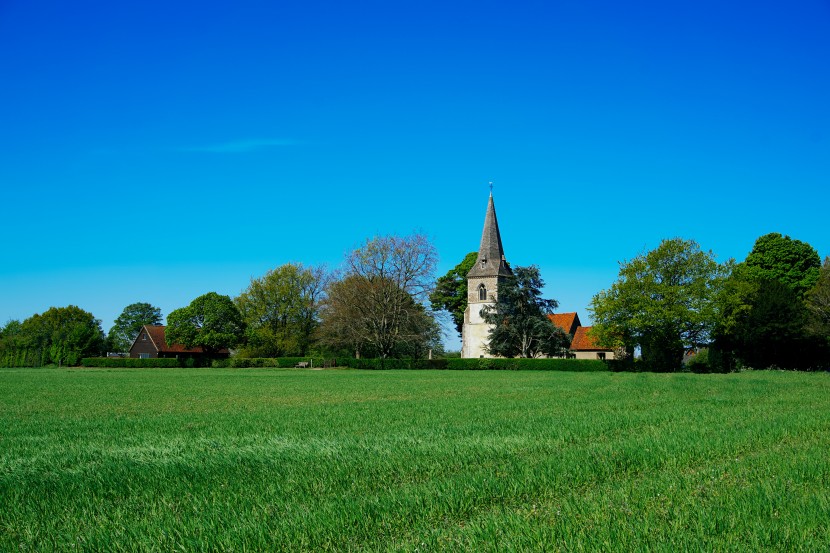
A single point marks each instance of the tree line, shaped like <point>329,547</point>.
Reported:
<point>676,301</point>
<point>374,306</point>
<point>770,310</point>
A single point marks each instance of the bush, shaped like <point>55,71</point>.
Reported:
<point>131,362</point>
<point>457,364</point>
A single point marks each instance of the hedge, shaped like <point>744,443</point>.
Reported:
<point>134,362</point>
<point>453,364</point>
<point>456,364</point>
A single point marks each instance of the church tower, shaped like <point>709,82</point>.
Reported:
<point>482,285</point>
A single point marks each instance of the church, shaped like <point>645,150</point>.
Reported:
<point>483,280</point>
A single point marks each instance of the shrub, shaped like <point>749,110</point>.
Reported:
<point>131,362</point>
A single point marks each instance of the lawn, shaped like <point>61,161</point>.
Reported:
<point>259,459</point>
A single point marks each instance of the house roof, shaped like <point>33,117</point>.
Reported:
<point>566,321</point>
<point>490,261</point>
<point>583,341</point>
<point>156,334</point>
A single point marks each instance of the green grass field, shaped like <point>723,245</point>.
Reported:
<point>257,459</point>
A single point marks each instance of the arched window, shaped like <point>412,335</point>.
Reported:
<point>482,293</point>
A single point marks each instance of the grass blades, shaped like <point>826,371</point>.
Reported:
<point>260,459</point>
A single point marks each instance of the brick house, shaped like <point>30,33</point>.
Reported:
<point>151,343</point>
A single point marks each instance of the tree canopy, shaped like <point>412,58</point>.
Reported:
<point>662,301</point>
<point>450,293</point>
<point>281,310</point>
<point>818,304</point>
<point>61,336</point>
<point>128,324</point>
<point>791,262</point>
<point>378,306</point>
<point>211,322</point>
<point>519,321</point>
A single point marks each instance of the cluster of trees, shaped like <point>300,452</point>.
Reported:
<point>60,336</point>
<point>375,306</point>
<point>770,310</point>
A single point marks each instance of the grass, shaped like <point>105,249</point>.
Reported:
<point>259,459</point>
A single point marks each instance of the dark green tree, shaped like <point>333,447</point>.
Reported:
<point>450,292</point>
<point>281,310</point>
<point>211,322</point>
<point>519,318</point>
<point>128,324</point>
<point>766,326</point>
<point>60,336</point>
<point>791,262</point>
<point>662,302</point>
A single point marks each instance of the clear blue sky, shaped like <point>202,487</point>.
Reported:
<point>158,151</point>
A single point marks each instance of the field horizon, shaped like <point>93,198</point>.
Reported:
<point>282,459</point>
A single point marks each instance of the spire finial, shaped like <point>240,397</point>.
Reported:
<point>491,188</point>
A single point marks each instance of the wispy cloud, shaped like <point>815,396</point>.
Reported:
<point>241,146</point>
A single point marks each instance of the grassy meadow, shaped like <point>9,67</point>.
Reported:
<point>275,459</point>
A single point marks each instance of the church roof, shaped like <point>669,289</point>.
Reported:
<point>490,261</point>
<point>568,322</point>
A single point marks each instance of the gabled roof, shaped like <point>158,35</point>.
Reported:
<point>156,334</point>
<point>490,261</point>
<point>583,341</point>
<point>568,322</point>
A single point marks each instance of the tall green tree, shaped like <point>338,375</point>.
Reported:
<point>281,310</point>
<point>791,262</point>
<point>60,336</point>
<point>450,292</point>
<point>663,302</point>
<point>519,318</point>
<point>766,315</point>
<point>128,324</point>
<point>380,303</point>
<point>766,326</point>
<point>211,322</point>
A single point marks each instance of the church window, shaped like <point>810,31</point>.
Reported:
<point>482,293</point>
<point>144,337</point>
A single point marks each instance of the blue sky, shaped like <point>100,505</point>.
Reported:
<point>161,150</point>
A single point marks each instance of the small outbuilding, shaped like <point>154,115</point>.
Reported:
<point>583,346</point>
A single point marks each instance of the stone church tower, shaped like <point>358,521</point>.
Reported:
<point>482,285</point>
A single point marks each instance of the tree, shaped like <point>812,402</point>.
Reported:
<point>767,326</point>
<point>519,318</point>
<point>818,304</point>
<point>450,292</point>
<point>61,335</point>
<point>281,310</point>
<point>128,324</point>
<point>662,302</point>
<point>211,322</point>
<point>791,262</point>
<point>379,304</point>
<point>376,318</point>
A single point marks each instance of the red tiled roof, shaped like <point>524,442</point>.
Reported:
<point>566,321</point>
<point>156,334</point>
<point>583,341</point>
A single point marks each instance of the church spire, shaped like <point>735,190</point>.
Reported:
<point>491,261</point>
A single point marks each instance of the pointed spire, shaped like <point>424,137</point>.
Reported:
<point>491,261</point>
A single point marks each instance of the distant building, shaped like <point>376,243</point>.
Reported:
<point>151,343</point>
<point>483,282</point>
<point>583,346</point>
<point>482,286</point>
